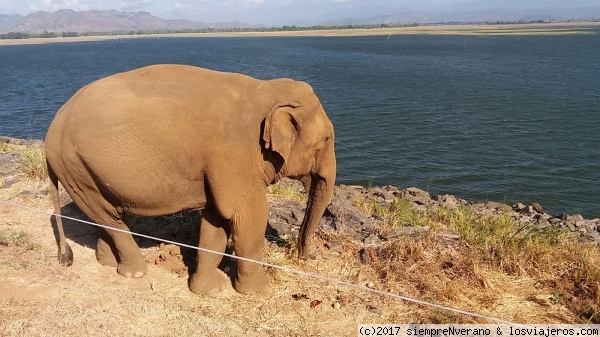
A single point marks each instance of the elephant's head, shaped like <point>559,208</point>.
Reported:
<point>298,129</point>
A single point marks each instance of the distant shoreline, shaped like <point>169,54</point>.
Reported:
<point>558,28</point>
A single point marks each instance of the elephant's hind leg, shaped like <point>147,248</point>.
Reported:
<point>214,232</point>
<point>129,257</point>
<point>106,252</point>
<point>131,261</point>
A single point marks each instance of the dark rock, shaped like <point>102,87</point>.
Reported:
<point>416,195</point>
<point>283,217</point>
<point>592,236</point>
<point>327,224</point>
<point>537,207</point>
<point>543,223</point>
<point>349,192</point>
<point>574,217</point>
<point>501,208</point>
<point>528,210</point>
<point>382,195</point>
<point>344,213</point>
<point>447,201</point>
<point>518,206</point>
<point>364,256</point>
<point>371,240</point>
<point>478,207</point>
<point>554,220</point>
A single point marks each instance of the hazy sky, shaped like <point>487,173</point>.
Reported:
<point>273,12</point>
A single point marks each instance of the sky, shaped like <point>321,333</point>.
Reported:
<point>277,12</point>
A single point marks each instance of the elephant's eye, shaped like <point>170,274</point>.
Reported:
<point>326,138</point>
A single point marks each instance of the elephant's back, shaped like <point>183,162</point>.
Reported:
<point>180,73</point>
<point>158,96</point>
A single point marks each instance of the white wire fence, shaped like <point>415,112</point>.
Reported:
<point>286,269</point>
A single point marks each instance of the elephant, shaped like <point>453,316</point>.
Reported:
<point>167,138</point>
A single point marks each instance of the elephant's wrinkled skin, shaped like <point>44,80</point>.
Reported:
<point>167,138</point>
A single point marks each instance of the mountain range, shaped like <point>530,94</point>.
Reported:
<point>67,20</point>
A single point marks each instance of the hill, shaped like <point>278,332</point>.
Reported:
<point>66,20</point>
<point>474,16</point>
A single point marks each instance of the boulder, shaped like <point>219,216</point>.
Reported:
<point>416,195</point>
<point>447,201</point>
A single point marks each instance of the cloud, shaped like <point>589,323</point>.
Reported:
<point>61,3</point>
<point>252,3</point>
<point>130,5</point>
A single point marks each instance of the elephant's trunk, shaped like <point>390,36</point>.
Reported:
<point>319,196</point>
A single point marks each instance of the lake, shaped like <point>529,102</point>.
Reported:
<point>502,118</point>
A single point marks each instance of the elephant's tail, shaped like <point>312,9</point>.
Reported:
<point>65,254</point>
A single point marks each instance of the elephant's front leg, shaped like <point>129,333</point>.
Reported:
<point>248,228</point>
<point>214,232</point>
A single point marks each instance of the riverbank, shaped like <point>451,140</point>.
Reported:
<point>558,28</point>
<point>584,230</point>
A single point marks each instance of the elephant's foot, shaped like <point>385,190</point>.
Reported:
<point>207,282</point>
<point>253,283</point>
<point>136,268</point>
<point>105,254</point>
<point>66,258</point>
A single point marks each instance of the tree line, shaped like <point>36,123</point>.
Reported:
<point>46,34</point>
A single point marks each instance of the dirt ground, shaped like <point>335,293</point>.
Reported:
<point>40,298</point>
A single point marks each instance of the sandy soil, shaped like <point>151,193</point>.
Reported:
<point>471,29</point>
<point>39,297</point>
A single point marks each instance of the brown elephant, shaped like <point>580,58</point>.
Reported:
<point>168,138</point>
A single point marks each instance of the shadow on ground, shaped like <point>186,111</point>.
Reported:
<point>182,227</point>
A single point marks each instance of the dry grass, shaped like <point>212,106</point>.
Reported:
<point>33,163</point>
<point>496,268</point>
<point>279,191</point>
<point>399,214</point>
<point>492,250</point>
<point>18,239</point>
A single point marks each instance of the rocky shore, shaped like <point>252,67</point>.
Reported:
<point>342,216</point>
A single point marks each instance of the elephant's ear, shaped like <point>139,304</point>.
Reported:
<point>281,129</point>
